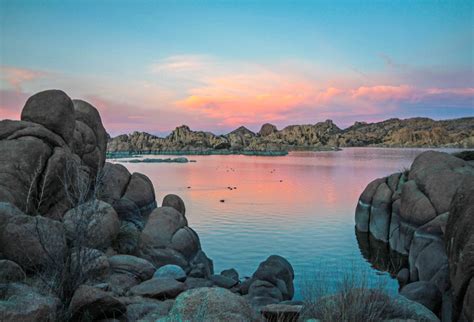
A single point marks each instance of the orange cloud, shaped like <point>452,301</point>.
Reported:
<point>244,97</point>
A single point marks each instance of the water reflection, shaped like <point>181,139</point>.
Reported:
<point>300,206</point>
<point>379,254</point>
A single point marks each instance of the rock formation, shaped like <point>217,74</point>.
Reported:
<point>83,239</point>
<point>426,214</point>
<point>414,132</point>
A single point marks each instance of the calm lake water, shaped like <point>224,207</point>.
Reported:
<point>300,206</point>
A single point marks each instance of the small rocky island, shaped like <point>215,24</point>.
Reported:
<point>322,136</point>
<point>426,215</point>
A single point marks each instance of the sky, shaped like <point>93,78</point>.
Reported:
<point>215,65</point>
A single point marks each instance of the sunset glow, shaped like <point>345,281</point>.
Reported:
<point>153,66</point>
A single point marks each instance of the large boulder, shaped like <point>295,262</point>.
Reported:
<point>34,242</point>
<point>90,137</point>
<point>95,223</point>
<point>427,254</point>
<point>262,293</point>
<point>175,202</point>
<point>54,110</point>
<point>380,212</point>
<point>403,308</point>
<point>22,303</point>
<point>460,250</point>
<point>159,288</point>
<point>415,207</point>
<point>65,145</point>
<point>131,195</point>
<point>127,239</point>
<point>166,239</point>
<point>90,303</point>
<point>135,266</point>
<point>201,266</point>
<point>231,273</point>
<point>140,190</point>
<point>162,224</point>
<point>279,272</point>
<point>362,214</point>
<point>20,176</point>
<point>170,271</point>
<point>425,293</point>
<point>114,182</point>
<point>439,175</point>
<point>211,304</point>
<point>223,281</point>
<point>430,219</point>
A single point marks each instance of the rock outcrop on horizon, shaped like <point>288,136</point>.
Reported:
<point>426,213</point>
<point>414,132</point>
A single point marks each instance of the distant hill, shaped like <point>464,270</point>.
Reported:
<point>412,132</point>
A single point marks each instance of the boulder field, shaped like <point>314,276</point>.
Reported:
<point>83,239</point>
<point>426,213</point>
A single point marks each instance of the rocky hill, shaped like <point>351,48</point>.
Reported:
<point>414,132</point>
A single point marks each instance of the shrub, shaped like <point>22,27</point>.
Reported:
<point>354,299</point>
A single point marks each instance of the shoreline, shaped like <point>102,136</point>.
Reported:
<point>139,154</point>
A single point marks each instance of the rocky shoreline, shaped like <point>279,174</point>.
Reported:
<point>425,216</point>
<point>322,136</point>
<point>128,154</point>
<point>82,239</point>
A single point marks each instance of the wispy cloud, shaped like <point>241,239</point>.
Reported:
<point>15,77</point>
<point>180,63</point>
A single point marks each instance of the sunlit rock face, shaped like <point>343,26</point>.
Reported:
<point>415,132</point>
<point>421,213</point>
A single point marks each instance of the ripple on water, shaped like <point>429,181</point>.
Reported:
<point>300,206</point>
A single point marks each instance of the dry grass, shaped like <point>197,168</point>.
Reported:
<point>64,273</point>
<point>354,299</point>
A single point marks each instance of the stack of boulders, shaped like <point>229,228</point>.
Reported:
<point>82,239</point>
<point>426,214</point>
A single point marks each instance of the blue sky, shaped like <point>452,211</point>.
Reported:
<point>216,64</point>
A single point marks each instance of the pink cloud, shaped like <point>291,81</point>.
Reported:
<point>214,94</point>
<point>11,103</point>
<point>383,92</point>
<point>15,77</point>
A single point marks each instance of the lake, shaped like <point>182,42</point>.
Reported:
<point>300,206</point>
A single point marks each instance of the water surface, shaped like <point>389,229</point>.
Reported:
<point>300,206</point>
